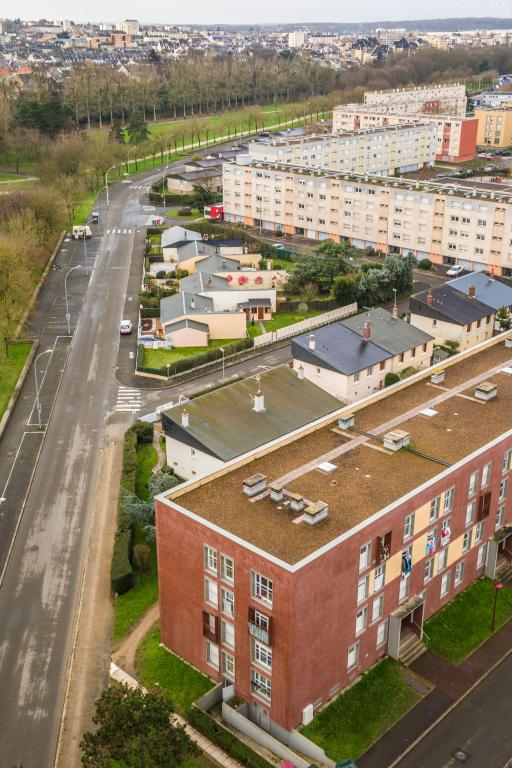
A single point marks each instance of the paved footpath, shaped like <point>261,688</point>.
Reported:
<point>475,706</point>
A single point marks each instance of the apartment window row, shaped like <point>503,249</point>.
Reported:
<point>227,564</point>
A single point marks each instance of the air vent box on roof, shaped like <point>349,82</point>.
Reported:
<point>487,390</point>
<point>276,492</point>
<point>508,342</point>
<point>316,512</point>
<point>296,501</point>
<point>255,484</point>
<point>396,440</point>
<point>347,421</point>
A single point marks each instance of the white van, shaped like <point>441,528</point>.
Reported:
<point>81,231</point>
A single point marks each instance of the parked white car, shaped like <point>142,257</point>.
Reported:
<point>455,270</point>
<point>125,327</point>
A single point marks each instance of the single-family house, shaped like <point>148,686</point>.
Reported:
<point>452,315</point>
<point>350,358</point>
<point>206,432</point>
<point>486,289</point>
<point>208,323</point>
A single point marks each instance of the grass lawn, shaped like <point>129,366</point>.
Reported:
<point>283,264</point>
<point>348,726</point>
<point>9,176</point>
<point>181,682</point>
<point>10,369</point>
<point>456,630</point>
<point>194,214</point>
<point>156,358</point>
<point>83,210</point>
<point>147,457</point>
<point>282,319</point>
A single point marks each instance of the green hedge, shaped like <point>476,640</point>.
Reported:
<point>121,575</point>
<point>149,312</point>
<point>187,363</point>
<point>226,740</point>
<point>171,198</point>
<point>154,257</point>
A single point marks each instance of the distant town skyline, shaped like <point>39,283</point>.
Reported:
<point>265,13</point>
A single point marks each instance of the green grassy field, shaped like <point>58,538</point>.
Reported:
<point>348,726</point>
<point>10,369</point>
<point>156,358</point>
<point>279,320</point>
<point>465,623</point>
<point>154,664</point>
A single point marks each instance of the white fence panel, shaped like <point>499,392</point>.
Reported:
<point>305,325</point>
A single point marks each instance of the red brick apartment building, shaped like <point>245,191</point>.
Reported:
<point>292,571</point>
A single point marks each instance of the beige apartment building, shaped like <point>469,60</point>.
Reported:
<point>494,127</point>
<point>449,98</point>
<point>456,136</point>
<point>465,223</point>
<point>382,151</point>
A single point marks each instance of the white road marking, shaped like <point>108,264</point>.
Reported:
<point>128,399</point>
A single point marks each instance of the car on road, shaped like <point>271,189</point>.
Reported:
<point>455,270</point>
<point>125,327</point>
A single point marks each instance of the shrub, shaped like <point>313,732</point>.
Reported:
<point>143,431</point>
<point>409,371</point>
<point>121,574</point>
<point>179,273</point>
<point>367,265</point>
<point>184,211</point>
<point>161,274</point>
<point>278,233</point>
<point>226,740</point>
<point>425,264</point>
<point>391,378</point>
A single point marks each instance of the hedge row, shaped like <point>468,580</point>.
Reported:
<point>171,198</point>
<point>121,574</point>
<point>150,312</point>
<point>226,740</point>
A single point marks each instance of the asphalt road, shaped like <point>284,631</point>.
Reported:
<point>475,733</point>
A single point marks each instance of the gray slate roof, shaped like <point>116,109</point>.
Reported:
<point>395,336</point>
<point>223,423</point>
<point>339,349</point>
<point>178,234</point>
<point>203,282</point>
<point>173,307</point>
<point>187,323</point>
<point>492,292</point>
<point>449,305</point>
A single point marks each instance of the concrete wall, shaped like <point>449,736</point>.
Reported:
<point>187,464</point>
<point>188,337</point>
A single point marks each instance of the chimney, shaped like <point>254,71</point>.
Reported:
<point>259,402</point>
<point>311,340</point>
<point>184,418</point>
<point>300,373</point>
<point>395,311</point>
<point>429,298</point>
<point>192,303</point>
<point>472,291</point>
<point>367,331</point>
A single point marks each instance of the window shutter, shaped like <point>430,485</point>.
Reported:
<point>484,505</point>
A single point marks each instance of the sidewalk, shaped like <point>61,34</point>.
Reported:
<point>452,683</point>
<point>208,747</point>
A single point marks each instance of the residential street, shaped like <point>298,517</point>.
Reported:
<point>477,731</point>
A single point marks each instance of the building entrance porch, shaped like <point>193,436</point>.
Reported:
<point>406,631</point>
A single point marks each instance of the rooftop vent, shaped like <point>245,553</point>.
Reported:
<point>300,372</point>
<point>347,421</point>
<point>276,492</point>
<point>396,440</point>
<point>437,377</point>
<point>312,341</point>
<point>185,418</point>
<point>296,501</point>
<point>508,342</point>
<point>316,512</point>
<point>367,331</point>
<point>472,291</point>
<point>429,298</point>
<point>487,390</point>
<point>254,485</point>
<point>258,399</point>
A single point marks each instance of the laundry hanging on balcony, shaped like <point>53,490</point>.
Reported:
<point>431,544</point>
<point>406,563</point>
<point>446,535</point>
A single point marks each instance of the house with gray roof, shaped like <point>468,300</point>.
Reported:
<point>448,314</point>
<point>350,358</point>
<point>229,422</point>
<point>486,289</point>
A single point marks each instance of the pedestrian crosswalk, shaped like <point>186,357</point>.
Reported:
<point>139,186</point>
<point>128,400</point>
<point>114,231</point>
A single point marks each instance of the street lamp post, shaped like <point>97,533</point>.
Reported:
<point>163,183</point>
<point>38,402</point>
<point>221,349</point>
<point>497,586</point>
<point>78,266</point>
<point>106,181</point>
<point>85,247</point>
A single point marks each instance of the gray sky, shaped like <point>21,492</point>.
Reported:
<point>226,11</point>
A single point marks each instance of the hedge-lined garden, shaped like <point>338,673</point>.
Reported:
<point>226,740</point>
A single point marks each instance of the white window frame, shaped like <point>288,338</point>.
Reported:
<point>445,583</point>
<point>479,532</point>
<point>473,483</point>
<point>442,560</point>
<point>227,629</point>
<point>428,573</point>
<point>211,588</point>
<point>480,559</point>
<point>363,586</point>
<point>503,489</point>
<point>353,656</point>
<point>377,608</point>
<point>227,565</point>
<point>227,601</point>
<point>486,475</point>
<point>459,573</point>
<point>507,461</point>
<point>365,556</point>
<point>470,512</point>
<point>409,526</point>
<point>261,655</point>
<point>262,589</point>
<point>449,496</point>
<point>382,633</point>
<point>261,686</point>
<point>435,505</point>
<point>212,655</point>
<point>466,540</point>
<point>210,559</point>
<point>403,589</point>
<point>228,665</point>
<point>361,627</point>
<point>500,517</point>
<point>379,579</point>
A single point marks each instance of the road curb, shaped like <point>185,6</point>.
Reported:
<point>455,704</point>
<point>16,391</point>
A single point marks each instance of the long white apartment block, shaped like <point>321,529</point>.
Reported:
<point>449,98</point>
<point>456,135</point>
<point>382,151</point>
<point>462,222</point>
